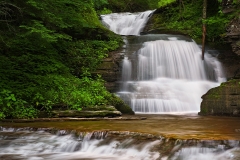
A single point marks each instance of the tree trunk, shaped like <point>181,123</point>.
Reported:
<point>204,27</point>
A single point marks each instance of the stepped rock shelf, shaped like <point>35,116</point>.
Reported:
<point>54,144</point>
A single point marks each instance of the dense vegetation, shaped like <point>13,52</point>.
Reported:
<point>48,50</point>
<point>185,16</point>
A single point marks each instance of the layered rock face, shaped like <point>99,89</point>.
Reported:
<point>233,28</point>
<point>223,100</point>
<point>110,70</point>
<point>233,35</point>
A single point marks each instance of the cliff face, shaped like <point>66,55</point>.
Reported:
<point>233,28</point>
<point>223,100</point>
<point>110,70</point>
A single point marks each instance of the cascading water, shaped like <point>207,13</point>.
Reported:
<point>165,73</point>
<point>48,144</point>
<point>25,144</point>
<point>126,23</point>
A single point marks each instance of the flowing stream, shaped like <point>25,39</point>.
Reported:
<point>162,73</point>
<point>41,144</point>
<point>50,144</point>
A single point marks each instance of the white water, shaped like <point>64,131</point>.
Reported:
<point>167,74</point>
<point>40,145</point>
<point>126,75</point>
<point>171,77</point>
<point>126,23</point>
<point>203,153</point>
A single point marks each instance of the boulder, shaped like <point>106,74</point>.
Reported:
<point>223,100</point>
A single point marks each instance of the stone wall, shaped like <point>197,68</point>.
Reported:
<point>223,100</point>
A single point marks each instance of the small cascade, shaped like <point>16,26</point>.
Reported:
<point>126,23</point>
<point>49,144</point>
<point>39,144</point>
<point>197,153</point>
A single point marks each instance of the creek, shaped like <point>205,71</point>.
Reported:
<point>163,79</point>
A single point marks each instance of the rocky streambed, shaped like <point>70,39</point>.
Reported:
<point>157,137</point>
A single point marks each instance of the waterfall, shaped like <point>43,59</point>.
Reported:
<point>126,23</point>
<point>167,74</point>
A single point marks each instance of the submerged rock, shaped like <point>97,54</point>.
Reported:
<point>223,100</point>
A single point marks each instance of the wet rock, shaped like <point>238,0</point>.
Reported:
<point>85,114</point>
<point>223,100</point>
<point>233,31</point>
<point>109,69</point>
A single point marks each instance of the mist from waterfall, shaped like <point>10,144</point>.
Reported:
<point>165,73</point>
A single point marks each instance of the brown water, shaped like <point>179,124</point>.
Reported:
<point>176,126</point>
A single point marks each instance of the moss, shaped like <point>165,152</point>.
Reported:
<point>120,105</point>
<point>85,114</point>
<point>214,94</point>
<point>99,108</point>
<point>204,110</point>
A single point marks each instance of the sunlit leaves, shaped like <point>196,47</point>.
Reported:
<point>163,3</point>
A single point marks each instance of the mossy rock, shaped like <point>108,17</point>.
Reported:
<point>223,100</point>
<point>120,105</point>
<point>99,108</point>
<point>85,114</point>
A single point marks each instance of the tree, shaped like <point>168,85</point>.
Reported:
<point>204,27</point>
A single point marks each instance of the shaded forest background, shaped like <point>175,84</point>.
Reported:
<point>48,48</point>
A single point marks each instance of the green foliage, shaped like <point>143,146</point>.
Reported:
<point>132,5</point>
<point>12,107</point>
<point>100,6</point>
<point>99,3</point>
<point>88,54</point>
<point>104,11</point>
<point>37,28</point>
<point>163,3</point>
<point>46,57</point>
<point>186,18</point>
<point>216,32</point>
